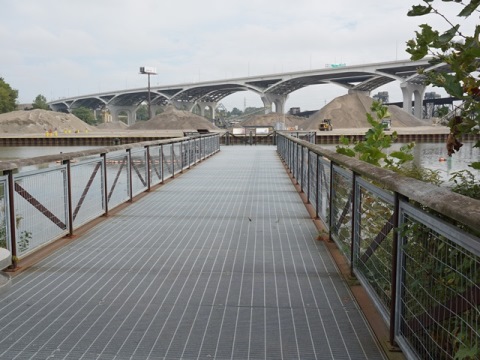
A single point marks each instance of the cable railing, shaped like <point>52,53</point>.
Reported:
<point>66,191</point>
<point>414,246</point>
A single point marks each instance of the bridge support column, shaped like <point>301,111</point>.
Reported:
<point>155,108</point>
<point>278,100</point>
<point>130,111</point>
<point>418,91</point>
<point>204,105</point>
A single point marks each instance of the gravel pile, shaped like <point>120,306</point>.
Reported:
<point>39,121</point>
<point>114,125</point>
<point>272,119</point>
<point>349,111</point>
<point>174,119</point>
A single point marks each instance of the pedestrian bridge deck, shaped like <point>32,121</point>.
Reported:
<point>221,263</point>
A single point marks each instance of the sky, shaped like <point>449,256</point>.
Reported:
<point>68,48</point>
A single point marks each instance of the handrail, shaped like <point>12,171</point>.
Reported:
<point>456,206</point>
<point>14,164</point>
<point>399,238</point>
<point>42,205</point>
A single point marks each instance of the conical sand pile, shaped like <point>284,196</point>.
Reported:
<point>349,111</point>
<point>38,121</point>
<point>173,119</point>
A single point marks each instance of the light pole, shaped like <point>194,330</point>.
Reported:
<point>149,71</point>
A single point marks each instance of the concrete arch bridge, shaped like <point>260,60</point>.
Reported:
<point>273,89</point>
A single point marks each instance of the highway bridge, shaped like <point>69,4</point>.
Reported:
<point>273,89</point>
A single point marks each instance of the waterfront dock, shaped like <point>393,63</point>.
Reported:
<point>221,263</point>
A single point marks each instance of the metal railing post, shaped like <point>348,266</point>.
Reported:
<point>189,153</point>
<point>316,189</point>
<point>353,236</point>
<point>330,205</point>
<point>302,165</point>
<point>105,184</point>
<point>149,182</point>
<point>394,303</point>
<point>69,197</point>
<point>308,176</point>
<point>130,177</point>
<point>161,163</point>
<point>172,155</point>
<point>12,218</point>
<point>181,156</point>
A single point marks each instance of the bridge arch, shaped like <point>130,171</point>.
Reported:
<point>274,89</point>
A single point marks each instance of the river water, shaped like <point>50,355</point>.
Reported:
<point>428,155</point>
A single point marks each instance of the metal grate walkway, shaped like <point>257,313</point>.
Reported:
<point>220,263</point>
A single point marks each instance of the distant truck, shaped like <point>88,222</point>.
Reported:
<point>326,125</point>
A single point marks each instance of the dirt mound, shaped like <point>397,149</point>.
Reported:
<point>38,121</point>
<point>173,119</point>
<point>275,120</point>
<point>349,111</point>
<point>114,125</point>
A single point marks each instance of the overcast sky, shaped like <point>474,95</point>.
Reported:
<point>76,47</point>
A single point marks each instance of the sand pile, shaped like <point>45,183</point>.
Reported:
<point>114,125</point>
<point>272,119</point>
<point>173,119</point>
<point>38,121</point>
<point>348,111</point>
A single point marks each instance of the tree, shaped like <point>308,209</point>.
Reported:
<point>40,102</point>
<point>84,114</point>
<point>461,52</point>
<point>142,113</point>
<point>236,112</point>
<point>8,97</point>
<point>371,149</point>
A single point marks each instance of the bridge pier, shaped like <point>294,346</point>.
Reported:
<point>418,91</point>
<point>131,112</point>
<point>278,100</point>
<point>203,105</point>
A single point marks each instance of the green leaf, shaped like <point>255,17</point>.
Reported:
<point>401,156</point>
<point>452,85</point>
<point>470,8</point>
<point>345,151</point>
<point>344,140</point>
<point>475,165</point>
<point>448,35</point>
<point>419,10</point>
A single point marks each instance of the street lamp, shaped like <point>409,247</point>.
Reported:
<point>149,71</point>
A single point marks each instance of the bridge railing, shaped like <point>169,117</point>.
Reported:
<point>252,138</point>
<point>415,247</point>
<point>43,199</point>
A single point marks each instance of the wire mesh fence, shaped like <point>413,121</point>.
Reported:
<point>118,180</point>
<point>53,200</point>
<point>439,312</point>
<point>88,196</point>
<point>419,262</point>
<point>323,198</point>
<point>341,210</point>
<point>139,170</point>
<point>373,240</point>
<point>177,157</point>
<point>41,213</point>
<point>4,214</point>
<point>156,167</point>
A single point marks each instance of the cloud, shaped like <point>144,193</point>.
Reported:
<point>65,48</point>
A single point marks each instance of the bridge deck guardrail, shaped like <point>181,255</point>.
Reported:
<point>66,191</point>
<point>414,246</point>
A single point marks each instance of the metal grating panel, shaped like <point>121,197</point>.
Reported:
<point>220,263</point>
